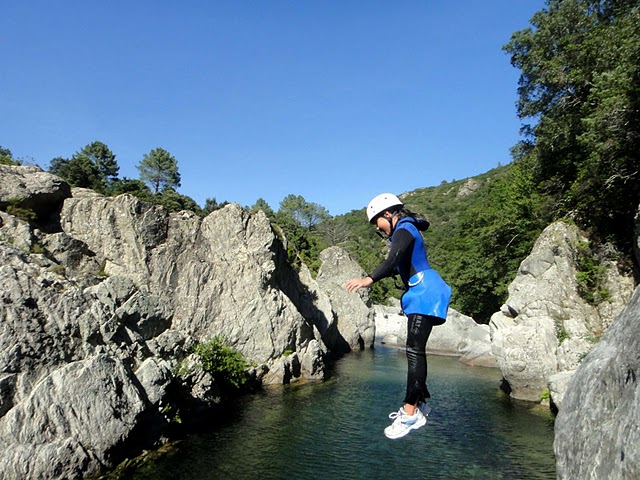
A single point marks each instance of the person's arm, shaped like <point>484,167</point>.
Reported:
<point>401,245</point>
<point>402,241</point>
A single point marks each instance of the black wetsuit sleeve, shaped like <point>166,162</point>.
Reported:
<point>400,248</point>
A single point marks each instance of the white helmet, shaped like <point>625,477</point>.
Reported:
<point>382,202</point>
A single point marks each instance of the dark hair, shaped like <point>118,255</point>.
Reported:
<point>403,212</point>
<point>421,223</point>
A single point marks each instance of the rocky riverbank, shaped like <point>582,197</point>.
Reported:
<point>103,297</point>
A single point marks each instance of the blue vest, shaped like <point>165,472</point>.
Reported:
<point>427,293</point>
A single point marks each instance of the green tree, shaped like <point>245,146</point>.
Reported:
<point>134,187</point>
<point>480,254</point>
<point>78,172</point>
<point>94,166</point>
<point>298,219</point>
<point>6,157</point>
<point>103,158</point>
<point>227,365</point>
<point>580,90</point>
<point>261,204</point>
<point>176,202</point>
<point>159,169</point>
<point>304,213</point>
<point>211,204</point>
<point>334,231</point>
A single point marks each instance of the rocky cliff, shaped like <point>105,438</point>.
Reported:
<point>597,431</point>
<point>545,328</point>
<point>103,298</point>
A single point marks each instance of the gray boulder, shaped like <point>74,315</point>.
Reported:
<point>315,305</point>
<point>17,232</point>
<point>94,319</point>
<point>558,386</point>
<point>545,326</point>
<point>69,400</point>
<point>120,231</point>
<point>461,336</point>
<point>71,421</point>
<point>355,321</point>
<point>33,189</point>
<point>391,323</point>
<point>636,243</point>
<point>596,430</point>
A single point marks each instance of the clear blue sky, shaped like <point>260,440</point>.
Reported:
<point>336,101</point>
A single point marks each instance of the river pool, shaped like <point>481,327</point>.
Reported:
<point>334,430</point>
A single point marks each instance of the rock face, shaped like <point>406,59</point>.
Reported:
<point>103,299</point>
<point>354,318</point>
<point>636,243</point>
<point>545,327</point>
<point>597,433</point>
<point>216,273</point>
<point>50,426</point>
<point>31,188</point>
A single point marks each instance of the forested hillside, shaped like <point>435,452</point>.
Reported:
<point>481,229</point>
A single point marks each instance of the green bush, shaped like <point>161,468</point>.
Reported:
<point>545,395</point>
<point>561,332</point>
<point>591,275</point>
<point>223,362</point>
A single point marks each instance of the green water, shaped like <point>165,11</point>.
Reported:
<point>334,430</point>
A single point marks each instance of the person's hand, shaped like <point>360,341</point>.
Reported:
<point>355,284</point>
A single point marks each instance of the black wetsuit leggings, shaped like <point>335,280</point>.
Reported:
<point>418,331</point>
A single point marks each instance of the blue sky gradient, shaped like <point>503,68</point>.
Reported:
<point>336,101</point>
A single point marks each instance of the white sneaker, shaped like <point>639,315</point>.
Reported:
<point>404,423</point>
<point>424,408</point>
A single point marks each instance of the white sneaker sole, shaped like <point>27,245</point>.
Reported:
<point>389,434</point>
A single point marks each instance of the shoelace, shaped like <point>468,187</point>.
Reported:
<point>394,415</point>
<point>397,416</point>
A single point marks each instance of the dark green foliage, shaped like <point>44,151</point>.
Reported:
<point>103,158</point>
<point>304,245</point>
<point>580,86</point>
<point>298,219</point>
<point>92,167</point>
<point>261,204</point>
<point>477,241</point>
<point>137,188</point>
<point>227,365</point>
<point>6,157</point>
<point>174,201</point>
<point>78,172</point>
<point>301,212</point>
<point>591,275</point>
<point>159,169</point>
<point>211,205</point>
